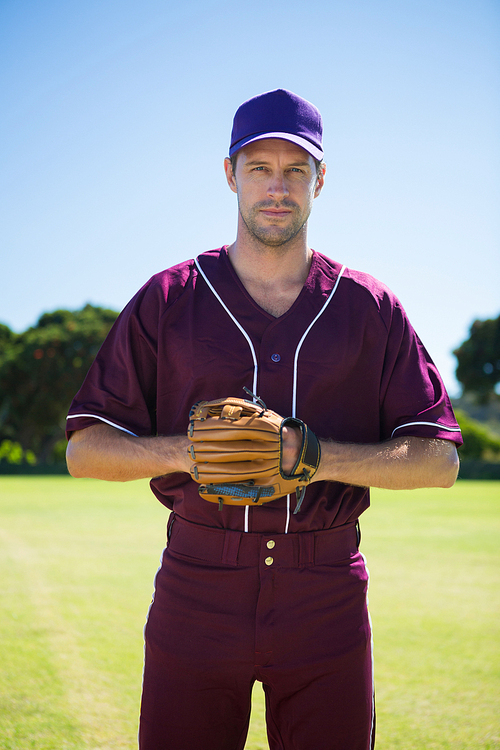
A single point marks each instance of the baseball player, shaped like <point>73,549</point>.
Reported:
<point>264,388</point>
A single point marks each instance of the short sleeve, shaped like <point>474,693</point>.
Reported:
<point>414,400</point>
<point>120,387</point>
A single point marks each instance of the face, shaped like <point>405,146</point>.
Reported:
<point>276,182</point>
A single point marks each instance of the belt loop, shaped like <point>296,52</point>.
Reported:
<point>231,547</point>
<point>306,548</point>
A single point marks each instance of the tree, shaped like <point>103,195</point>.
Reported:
<point>42,369</point>
<point>478,358</point>
<point>6,336</point>
<point>480,443</point>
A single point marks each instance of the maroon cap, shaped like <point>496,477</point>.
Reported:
<point>278,114</point>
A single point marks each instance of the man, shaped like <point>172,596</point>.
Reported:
<point>265,593</point>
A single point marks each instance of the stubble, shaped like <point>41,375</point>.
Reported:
<point>273,235</point>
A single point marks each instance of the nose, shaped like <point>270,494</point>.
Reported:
<point>277,188</point>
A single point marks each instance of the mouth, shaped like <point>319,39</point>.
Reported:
<point>276,213</point>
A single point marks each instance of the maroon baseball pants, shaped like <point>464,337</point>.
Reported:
<point>288,610</point>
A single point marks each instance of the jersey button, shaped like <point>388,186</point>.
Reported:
<point>275,357</point>
<point>270,544</point>
<point>269,560</point>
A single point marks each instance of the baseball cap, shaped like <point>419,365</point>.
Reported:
<point>278,114</point>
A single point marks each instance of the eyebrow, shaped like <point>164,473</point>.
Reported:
<point>256,162</point>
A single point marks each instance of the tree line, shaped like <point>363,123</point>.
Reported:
<point>42,368</point>
<point>40,372</point>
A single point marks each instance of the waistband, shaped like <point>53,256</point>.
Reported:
<point>247,549</point>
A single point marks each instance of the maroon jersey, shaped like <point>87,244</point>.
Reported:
<point>344,359</point>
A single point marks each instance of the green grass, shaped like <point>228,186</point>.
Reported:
<point>433,558</point>
<point>77,562</point>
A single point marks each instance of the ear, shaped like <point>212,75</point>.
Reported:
<point>320,180</point>
<point>231,179</point>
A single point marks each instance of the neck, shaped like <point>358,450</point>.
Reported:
<point>273,276</point>
<point>256,262</point>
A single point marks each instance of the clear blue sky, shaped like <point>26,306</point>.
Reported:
<point>115,119</point>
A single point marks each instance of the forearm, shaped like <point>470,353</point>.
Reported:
<point>103,452</point>
<point>400,464</point>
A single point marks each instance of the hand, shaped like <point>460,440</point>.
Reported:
<point>292,442</point>
<point>244,453</point>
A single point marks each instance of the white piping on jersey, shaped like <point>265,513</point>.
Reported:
<point>249,341</point>
<point>245,334</point>
<point>295,370</point>
<point>287,522</point>
<point>299,345</point>
<point>255,365</point>
<point>432,424</point>
<point>96,416</point>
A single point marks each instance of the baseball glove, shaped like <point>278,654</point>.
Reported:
<point>236,446</point>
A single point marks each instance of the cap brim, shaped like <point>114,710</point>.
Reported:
<point>315,152</point>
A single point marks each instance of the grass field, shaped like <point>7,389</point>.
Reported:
<point>77,561</point>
